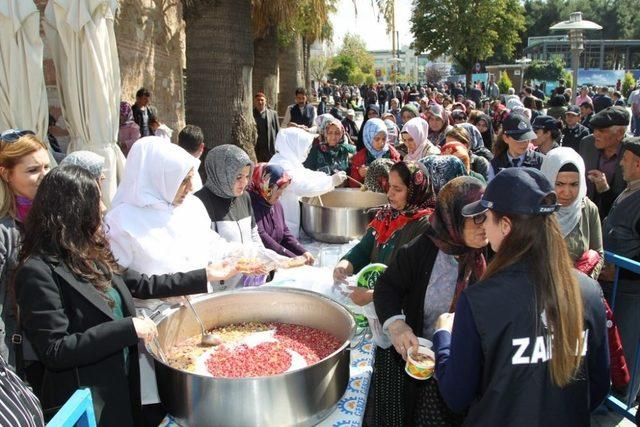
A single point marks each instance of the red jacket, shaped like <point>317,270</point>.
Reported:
<point>360,159</point>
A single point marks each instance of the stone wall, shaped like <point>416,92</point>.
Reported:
<point>151,44</point>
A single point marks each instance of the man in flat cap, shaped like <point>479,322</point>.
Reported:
<point>621,235</point>
<point>601,153</point>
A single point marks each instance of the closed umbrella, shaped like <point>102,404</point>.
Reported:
<point>82,42</point>
<point>23,95</point>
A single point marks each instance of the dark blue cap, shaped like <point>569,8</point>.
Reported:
<point>544,122</point>
<point>518,127</point>
<point>574,109</point>
<point>517,191</point>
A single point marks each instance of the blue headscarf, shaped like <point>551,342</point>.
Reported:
<point>371,129</point>
<point>442,169</point>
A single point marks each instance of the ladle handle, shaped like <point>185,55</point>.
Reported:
<point>195,313</point>
<point>356,181</point>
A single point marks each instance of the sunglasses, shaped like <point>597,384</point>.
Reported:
<point>12,135</point>
<point>480,219</point>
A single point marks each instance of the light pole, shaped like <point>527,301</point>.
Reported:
<point>575,25</point>
<point>523,65</point>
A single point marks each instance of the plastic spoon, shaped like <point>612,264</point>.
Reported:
<point>208,339</point>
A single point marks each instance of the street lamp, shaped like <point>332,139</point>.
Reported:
<point>575,25</point>
<point>523,65</point>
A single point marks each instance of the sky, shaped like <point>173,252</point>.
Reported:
<point>366,25</point>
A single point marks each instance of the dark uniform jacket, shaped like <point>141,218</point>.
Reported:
<point>515,387</point>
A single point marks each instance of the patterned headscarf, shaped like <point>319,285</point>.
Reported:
<point>392,132</point>
<point>323,124</point>
<point>87,160</point>
<point>222,165</point>
<point>420,202</point>
<point>443,169</point>
<point>126,113</point>
<point>371,129</point>
<point>474,135</point>
<point>459,150</point>
<point>447,227</point>
<point>377,178</point>
<point>411,109</point>
<point>268,178</point>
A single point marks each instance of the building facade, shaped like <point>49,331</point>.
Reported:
<point>598,54</point>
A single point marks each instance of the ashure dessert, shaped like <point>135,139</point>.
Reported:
<point>254,349</point>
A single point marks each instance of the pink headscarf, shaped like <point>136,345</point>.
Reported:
<point>418,128</point>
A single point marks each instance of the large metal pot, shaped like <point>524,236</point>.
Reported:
<point>298,398</point>
<point>343,216</point>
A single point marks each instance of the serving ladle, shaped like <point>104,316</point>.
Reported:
<point>208,338</point>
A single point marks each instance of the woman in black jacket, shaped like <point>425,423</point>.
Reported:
<point>76,304</point>
<point>423,282</point>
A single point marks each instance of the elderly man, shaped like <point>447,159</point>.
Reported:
<point>602,152</point>
<point>621,235</point>
<point>350,126</point>
<point>268,128</point>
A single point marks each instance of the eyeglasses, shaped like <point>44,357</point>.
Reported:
<point>12,135</point>
<point>480,219</point>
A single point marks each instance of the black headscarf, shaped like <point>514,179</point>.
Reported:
<point>487,136</point>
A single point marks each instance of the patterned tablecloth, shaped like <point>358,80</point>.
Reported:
<point>350,410</point>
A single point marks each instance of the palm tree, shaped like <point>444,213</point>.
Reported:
<point>291,68</point>
<point>311,24</point>
<point>267,17</point>
<point>219,71</point>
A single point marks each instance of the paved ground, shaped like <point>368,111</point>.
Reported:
<point>611,419</point>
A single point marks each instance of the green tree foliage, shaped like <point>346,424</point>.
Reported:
<point>568,78</point>
<point>343,68</point>
<point>355,47</point>
<point>545,70</point>
<point>628,84</point>
<point>504,83</point>
<point>469,31</point>
<point>353,64</point>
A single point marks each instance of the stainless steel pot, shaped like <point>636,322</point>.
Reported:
<point>343,216</point>
<point>298,398</point>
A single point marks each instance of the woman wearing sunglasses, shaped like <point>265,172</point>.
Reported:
<point>424,281</point>
<point>528,346</point>
<point>24,161</point>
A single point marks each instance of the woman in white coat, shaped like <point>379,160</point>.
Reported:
<point>292,147</point>
<point>156,226</point>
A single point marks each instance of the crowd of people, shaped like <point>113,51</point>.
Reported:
<point>499,212</point>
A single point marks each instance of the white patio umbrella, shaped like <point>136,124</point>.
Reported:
<point>82,42</point>
<point>23,95</point>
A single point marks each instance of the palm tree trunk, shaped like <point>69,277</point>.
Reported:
<point>306,53</point>
<point>265,67</point>
<point>219,69</point>
<point>291,73</point>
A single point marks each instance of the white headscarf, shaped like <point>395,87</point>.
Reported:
<point>292,147</point>
<point>568,216</point>
<point>418,128</point>
<point>153,173</point>
<point>147,232</point>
